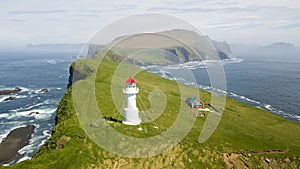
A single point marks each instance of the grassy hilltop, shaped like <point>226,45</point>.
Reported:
<point>246,137</point>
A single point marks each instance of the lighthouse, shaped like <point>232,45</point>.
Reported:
<point>131,112</point>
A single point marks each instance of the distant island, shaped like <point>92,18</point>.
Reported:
<point>172,46</point>
<point>56,46</point>
<point>280,45</point>
<point>276,47</point>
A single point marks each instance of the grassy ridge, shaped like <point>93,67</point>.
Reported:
<point>245,134</point>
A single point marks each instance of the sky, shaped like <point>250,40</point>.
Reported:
<point>235,21</point>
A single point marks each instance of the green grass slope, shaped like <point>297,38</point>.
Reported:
<point>246,137</point>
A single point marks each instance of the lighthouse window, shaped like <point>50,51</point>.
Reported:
<point>131,85</point>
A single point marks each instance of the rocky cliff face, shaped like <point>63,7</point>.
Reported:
<point>184,44</point>
<point>76,74</point>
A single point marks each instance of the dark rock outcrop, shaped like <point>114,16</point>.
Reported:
<point>15,140</point>
<point>32,113</point>
<point>9,99</point>
<point>7,92</point>
<point>44,90</point>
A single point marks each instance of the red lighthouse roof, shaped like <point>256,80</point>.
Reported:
<point>130,80</point>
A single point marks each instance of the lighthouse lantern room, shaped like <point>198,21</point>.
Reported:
<point>131,112</point>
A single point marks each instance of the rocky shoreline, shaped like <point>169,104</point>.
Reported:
<point>15,140</point>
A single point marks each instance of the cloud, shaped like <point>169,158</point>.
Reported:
<point>17,20</point>
<point>51,21</point>
<point>39,11</point>
<point>88,15</point>
<point>290,26</point>
<point>123,8</point>
<point>235,26</point>
<point>179,10</point>
<point>222,9</point>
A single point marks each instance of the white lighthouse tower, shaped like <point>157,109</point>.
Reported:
<point>131,112</point>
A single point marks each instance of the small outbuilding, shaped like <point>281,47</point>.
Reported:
<point>194,103</point>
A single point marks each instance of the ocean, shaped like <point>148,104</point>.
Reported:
<point>32,71</point>
<point>270,83</point>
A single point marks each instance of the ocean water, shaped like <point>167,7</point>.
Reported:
<point>270,82</point>
<point>267,82</point>
<point>32,71</point>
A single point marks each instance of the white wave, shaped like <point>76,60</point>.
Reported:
<point>21,96</point>
<point>47,101</point>
<point>198,64</point>
<point>15,96</point>
<point>37,126</point>
<point>7,88</point>
<point>253,101</point>
<point>52,62</point>
<point>2,136</point>
<point>33,142</point>
<point>62,76</point>
<point>245,99</point>
<point>24,89</point>
<point>38,91</point>
<point>4,115</point>
<point>267,106</point>
<point>37,113</point>
<point>188,65</point>
<point>28,108</point>
<point>43,141</point>
<point>47,133</point>
<point>297,117</point>
<point>3,97</point>
<point>242,97</point>
<point>233,94</point>
<point>281,113</point>
<point>27,149</point>
<point>45,113</point>
<point>24,158</point>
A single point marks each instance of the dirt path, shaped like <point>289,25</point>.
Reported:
<point>271,151</point>
<point>229,157</point>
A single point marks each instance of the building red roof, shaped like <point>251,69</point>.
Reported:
<point>130,80</point>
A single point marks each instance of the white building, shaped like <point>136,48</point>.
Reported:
<point>131,112</point>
